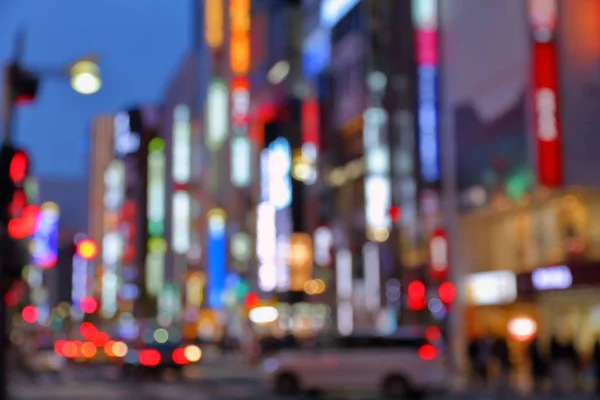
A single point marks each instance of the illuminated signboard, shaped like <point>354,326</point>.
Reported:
<point>213,23</point>
<point>543,20</point>
<point>112,253</point>
<point>114,184</point>
<point>438,254</point>
<point>216,257</point>
<point>425,16</point>
<point>239,46</point>
<point>240,101</point>
<point>266,249</point>
<point>182,144</point>
<point>126,142</point>
<point>552,278</point>
<point>323,242</point>
<point>156,188</point>
<point>372,276</point>
<point>345,310</point>
<point>180,238</point>
<point>491,288</point>
<point>44,243</point>
<point>241,153</point>
<point>217,123</point>
<point>334,10</point>
<point>79,281</point>
<point>280,184</point>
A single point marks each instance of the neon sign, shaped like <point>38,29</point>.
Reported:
<point>217,104</point>
<point>279,164</point>
<point>216,257</point>
<point>266,249</point>
<point>213,23</point>
<point>45,239</point>
<point>543,20</point>
<point>552,278</point>
<point>425,15</point>
<point>182,151</point>
<point>239,46</point>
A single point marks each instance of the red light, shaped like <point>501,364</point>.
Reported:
<point>179,357</point>
<point>416,290</point>
<point>416,304</point>
<point>70,349</point>
<point>149,358</point>
<point>59,347</point>
<point>23,100</point>
<point>395,213</point>
<point>447,292</point>
<point>433,333</point>
<point>88,330</point>
<point>30,314</point>
<point>252,300</point>
<point>427,352</point>
<point>88,305</point>
<point>100,339</point>
<point>18,167</point>
<point>87,249</point>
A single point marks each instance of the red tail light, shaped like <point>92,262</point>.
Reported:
<point>427,352</point>
<point>179,357</point>
<point>149,358</point>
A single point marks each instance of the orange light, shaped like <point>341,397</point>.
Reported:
<point>239,47</point>
<point>88,350</point>
<point>108,348</point>
<point>69,349</point>
<point>87,249</point>
<point>213,23</point>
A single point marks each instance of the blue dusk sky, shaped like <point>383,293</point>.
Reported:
<point>139,43</point>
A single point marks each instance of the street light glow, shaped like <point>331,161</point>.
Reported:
<point>85,77</point>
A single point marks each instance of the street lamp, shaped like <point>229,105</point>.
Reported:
<point>85,77</point>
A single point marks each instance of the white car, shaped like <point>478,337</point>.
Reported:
<point>397,366</point>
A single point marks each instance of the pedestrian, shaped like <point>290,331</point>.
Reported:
<point>501,354</point>
<point>537,364</point>
<point>596,364</point>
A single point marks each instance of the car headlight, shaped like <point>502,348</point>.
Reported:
<point>270,365</point>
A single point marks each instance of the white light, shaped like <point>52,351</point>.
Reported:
<point>266,250</point>
<point>523,328</point>
<point>240,105</point>
<point>374,119</point>
<point>155,272</point>
<point>86,83</point>
<point>552,278</point>
<point>79,280</point>
<point>278,72</point>
<point>263,315</point>
<point>182,151</point>
<point>378,160</point>
<point>323,240</point>
<point>345,318</point>
<point>180,240</point>
<point>343,274</point>
<point>126,142</point>
<point>438,253</point>
<point>542,19</point>
<point>372,276</point>
<point>283,271</point>
<point>378,201</point>
<point>217,122</point>
<point>110,286</point>
<point>545,104</point>
<point>241,172</point>
<point>264,175</point>
<point>334,10</point>
<point>114,181</point>
<point>425,14</point>
<point>491,288</point>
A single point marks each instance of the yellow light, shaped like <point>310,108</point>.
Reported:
<point>119,349</point>
<point>192,353</point>
<point>50,206</point>
<point>85,77</point>
<point>239,46</point>
<point>213,22</point>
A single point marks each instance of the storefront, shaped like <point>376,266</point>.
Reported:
<point>568,302</point>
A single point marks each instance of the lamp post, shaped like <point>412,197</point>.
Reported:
<point>20,84</point>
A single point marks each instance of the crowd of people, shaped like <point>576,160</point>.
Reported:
<point>560,367</point>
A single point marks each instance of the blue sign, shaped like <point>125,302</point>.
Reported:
<point>217,271</point>
<point>45,239</point>
<point>429,147</point>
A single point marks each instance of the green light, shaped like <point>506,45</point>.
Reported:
<point>156,228</point>
<point>157,245</point>
<point>161,335</point>
<point>156,145</point>
<point>518,184</point>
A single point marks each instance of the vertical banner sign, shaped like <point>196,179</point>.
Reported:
<point>213,23</point>
<point>425,22</point>
<point>542,21</point>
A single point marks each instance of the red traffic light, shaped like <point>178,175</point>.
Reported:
<point>87,249</point>
<point>447,292</point>
<point>18,166</point>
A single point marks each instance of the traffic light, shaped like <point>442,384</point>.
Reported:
<point>23,84</point>
<point>14,169</point>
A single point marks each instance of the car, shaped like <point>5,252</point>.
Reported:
<point>155,359</point>
<point>398,366</point>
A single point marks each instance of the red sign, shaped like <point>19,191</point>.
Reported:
<point>310,122</point>
<point>547,123</point>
